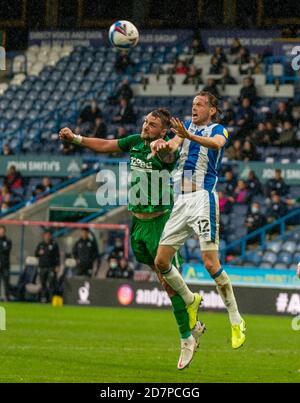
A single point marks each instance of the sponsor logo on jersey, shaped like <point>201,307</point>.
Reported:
<point>138,163</point>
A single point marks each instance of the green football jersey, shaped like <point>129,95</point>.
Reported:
<point>148,192</point>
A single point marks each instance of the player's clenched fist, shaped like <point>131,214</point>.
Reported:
<point>66,134</point>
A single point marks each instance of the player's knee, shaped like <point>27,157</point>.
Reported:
<point>161,263</point>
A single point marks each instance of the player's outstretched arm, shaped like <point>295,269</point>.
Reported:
<point>94,144</point>
<point>215,143</point>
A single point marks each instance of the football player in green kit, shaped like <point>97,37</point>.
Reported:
<point>149,218</point>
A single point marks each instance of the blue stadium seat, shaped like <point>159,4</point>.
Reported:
<point>269,257</point>
<point>285,257</point>
<point>274,246</point>
<point>254,258</point>
<point>289,246</point>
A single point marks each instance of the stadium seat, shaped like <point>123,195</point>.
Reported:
<point>289,246</point>
<point>285,257</point>
<point>269,257</point>
<point>274,246</point>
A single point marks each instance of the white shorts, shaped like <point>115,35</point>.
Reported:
<point>195,212</point>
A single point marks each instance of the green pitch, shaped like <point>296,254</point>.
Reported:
<point>79,344</point>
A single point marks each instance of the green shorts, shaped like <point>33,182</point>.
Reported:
<point>145,236</point>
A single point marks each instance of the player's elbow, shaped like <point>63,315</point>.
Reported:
<point>217,146</point>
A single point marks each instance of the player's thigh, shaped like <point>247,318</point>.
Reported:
<point>176,230</point>
<point>138,240</point>
<point>205,221</point>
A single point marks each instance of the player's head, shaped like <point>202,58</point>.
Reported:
<point>156,124</point>
<point>205,108</point>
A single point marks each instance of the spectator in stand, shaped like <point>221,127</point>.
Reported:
<point>196,47</point>
<point>277,185</point>
<point>5,207</point>
<point>249,152</point>
<point>255,219</point>
<point>228,115</point>
<point>13,179</point>
<point>288,136</point>
<point>211,87</point>
<point>124,91</point>
<point>100,128</point>
<point>230,181</point>
<point>44,186</point>
<point>253,184</point>
<point>220,56</point>
<point>235,47</point>
<point>234,152</point>
<point>123,62</point>
<point>245,118</point>
<point>89,114</point>
<point>254,67</point>
<point>271,132</point>
<point>6,150</point>
<point>241,193</point>
<point>67,148</point>
<point>225,203</point>
<point>126,113</point>
<point>277,208</point>
<point>180,67</point>
<point>261,136</point>
<point>282,114</point>
<point>125,272</point>
<point>113,270</point>
<point>6,196</point>
<point>118,250</point>
<point>215,67</point>
<point>193,76</point>
<point>248,90</point>
<point>243,56</point>
<point>226,77</point>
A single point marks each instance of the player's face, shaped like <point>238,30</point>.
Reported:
<point>201,111</point>
<point>152,128</point>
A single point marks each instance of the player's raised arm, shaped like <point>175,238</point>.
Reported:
<point>215,143</point>
<point>94,144</point>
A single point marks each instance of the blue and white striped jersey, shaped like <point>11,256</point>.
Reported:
<point>199,164</point>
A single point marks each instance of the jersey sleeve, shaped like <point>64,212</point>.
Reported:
<point>127,142</point>
<point>220,131</point>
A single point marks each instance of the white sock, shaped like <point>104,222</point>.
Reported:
<point>175,280</point>
<point>225,290</point>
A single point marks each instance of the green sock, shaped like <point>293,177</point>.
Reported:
<point>181,315</point>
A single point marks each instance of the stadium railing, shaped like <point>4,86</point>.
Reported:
<point>55,188</point>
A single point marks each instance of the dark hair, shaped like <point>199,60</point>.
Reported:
<point>164,115</point>
<point>213,102</point>
<point>3,227</point>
